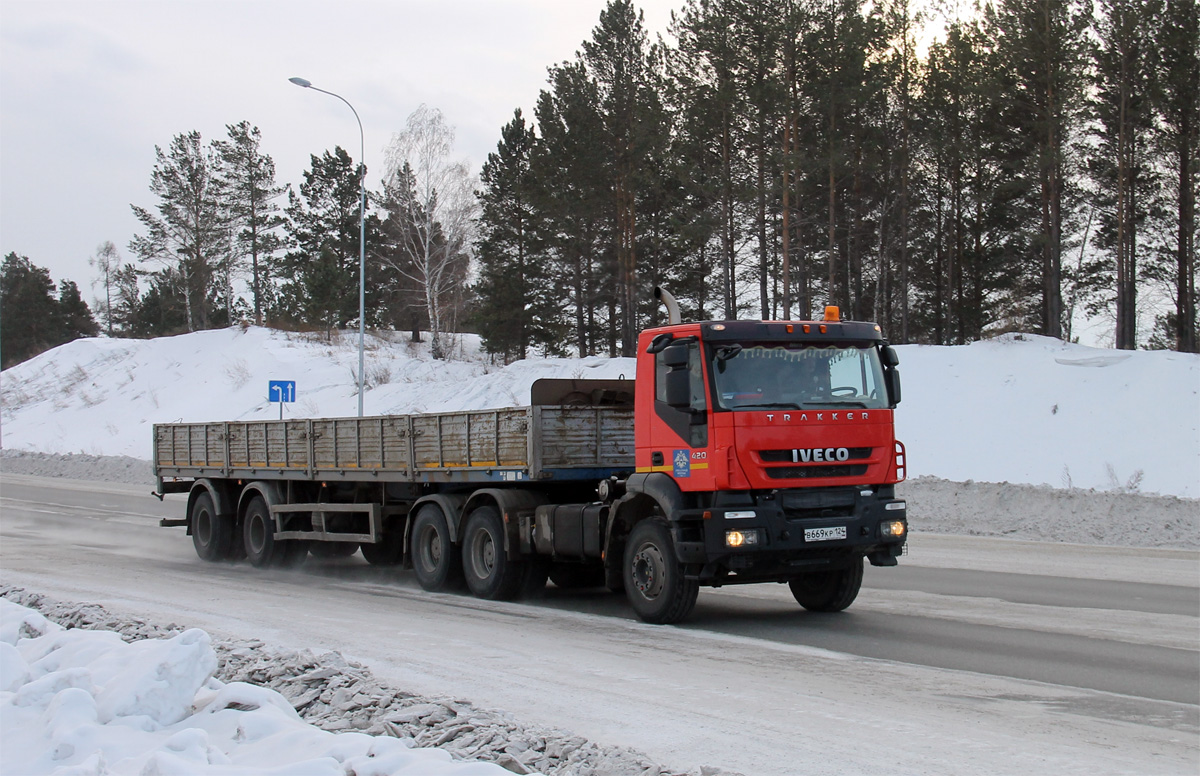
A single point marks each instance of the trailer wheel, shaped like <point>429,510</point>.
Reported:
<point>490,573</point>
<point>828,591</point>
<point>388,552</point>
<point>435,561</point>
<point>258,533</point>
<point>212,534</point>
<point>654,580</point>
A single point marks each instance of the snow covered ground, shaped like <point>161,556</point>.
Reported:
<point>1021,436</point>
<point>1019,409</point>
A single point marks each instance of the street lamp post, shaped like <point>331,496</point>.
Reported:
<point>362,234</point>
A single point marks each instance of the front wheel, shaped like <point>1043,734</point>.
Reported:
<point>490,573</point>
<point>654,580</point>
<point>436,564</point>
<point>828,591</point>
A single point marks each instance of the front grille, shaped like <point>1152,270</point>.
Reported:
<point>789,456</point>
<point>802,472</point>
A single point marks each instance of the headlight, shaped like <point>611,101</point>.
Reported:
<point>892,529</point>
<point>739,515</point>
<point>741,538</point>
<point>893,506</point>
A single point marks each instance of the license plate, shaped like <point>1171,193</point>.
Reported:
<point>824,534</point>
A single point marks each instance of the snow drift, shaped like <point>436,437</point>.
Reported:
<point>1019,408</point>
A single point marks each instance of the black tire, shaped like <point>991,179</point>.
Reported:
<point>576,576</point>
<point>828,591</point>
<point>654,581</point>
<point>258,534</point>
<point>489,572</point>
<point>332,550</point>
<point>212,534</point>
<point>436,563</point>
<point>388,552</point>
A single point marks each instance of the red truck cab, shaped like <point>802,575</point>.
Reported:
<point>769,450</point>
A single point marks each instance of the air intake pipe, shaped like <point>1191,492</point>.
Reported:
<point>664,296</point>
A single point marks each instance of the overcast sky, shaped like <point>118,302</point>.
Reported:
<point>89,87</point>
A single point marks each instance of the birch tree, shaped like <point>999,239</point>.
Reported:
<point>430,201</point>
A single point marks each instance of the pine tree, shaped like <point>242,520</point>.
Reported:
<point>248,180</point>
<point>1178,140</point>
<point>321,269</point>
<point>569,169</point>
<point>1041,48</point>
<point>29,314</point>
<point>74,315</point>
<point>189,234</point>
<point>1119,164</point>
<point>518,304</point>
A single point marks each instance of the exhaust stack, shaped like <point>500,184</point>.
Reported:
<point>664,296</point>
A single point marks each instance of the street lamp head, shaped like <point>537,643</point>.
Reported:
<point>301,82</point>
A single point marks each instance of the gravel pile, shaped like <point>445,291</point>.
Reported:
<point>337,695</point>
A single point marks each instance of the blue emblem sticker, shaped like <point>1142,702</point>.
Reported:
<point>683,463</point>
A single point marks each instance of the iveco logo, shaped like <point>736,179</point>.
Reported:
<point>820,454</point>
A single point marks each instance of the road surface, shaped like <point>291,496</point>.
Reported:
<point>974,656</point>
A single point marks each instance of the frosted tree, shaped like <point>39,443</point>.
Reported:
<point>431,218</point>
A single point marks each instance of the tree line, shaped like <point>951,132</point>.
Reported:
<point>1035,164</point>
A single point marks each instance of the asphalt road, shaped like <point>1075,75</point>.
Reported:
<point>1070,647</point>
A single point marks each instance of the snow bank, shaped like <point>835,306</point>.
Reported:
<point>258,686</point>
<point>86,702</point>
<point>1019,409</point>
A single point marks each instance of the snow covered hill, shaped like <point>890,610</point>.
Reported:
<point>1019,408</point>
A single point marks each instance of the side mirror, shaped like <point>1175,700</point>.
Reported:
<point>891,377</point>
<point>888,355</point>
<point>678,389</point>
<point>676,357</point>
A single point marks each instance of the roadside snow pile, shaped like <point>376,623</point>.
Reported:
<point>87,702</point>
<point>84,701</point>
<point>1040,513</point>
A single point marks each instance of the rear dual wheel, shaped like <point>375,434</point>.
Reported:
<point>489,572</point>
<point>436,563</point>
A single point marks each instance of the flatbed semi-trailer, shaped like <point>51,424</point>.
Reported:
<point>745,451</point>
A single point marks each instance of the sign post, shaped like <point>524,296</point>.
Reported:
<point>281,391</point>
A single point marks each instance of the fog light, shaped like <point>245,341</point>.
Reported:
<point>740,538</point>
<point>892,529</point>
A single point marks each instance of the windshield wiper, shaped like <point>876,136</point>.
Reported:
<point>824,405</point>
<point>771,405</point>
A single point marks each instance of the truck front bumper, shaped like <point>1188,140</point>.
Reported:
<point>786,533</point>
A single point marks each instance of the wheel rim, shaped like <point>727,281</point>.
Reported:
<point>647,571</point>
<point>258,534</point>
<point>203,527</point>
<point>431,548</point>
<point>483,554</point>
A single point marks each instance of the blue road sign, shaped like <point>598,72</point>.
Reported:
<point>282,391</point>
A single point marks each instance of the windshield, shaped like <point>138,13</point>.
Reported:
<point>792,376</point>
